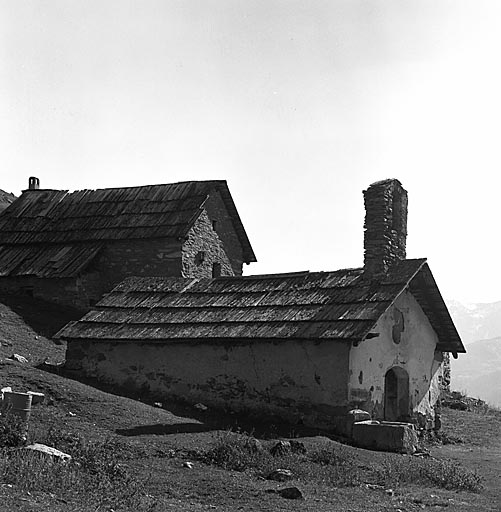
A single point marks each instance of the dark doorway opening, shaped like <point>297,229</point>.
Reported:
<point>396,394</point>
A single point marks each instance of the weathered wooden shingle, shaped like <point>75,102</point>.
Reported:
<point>56,260</point>
<point>343,305</point>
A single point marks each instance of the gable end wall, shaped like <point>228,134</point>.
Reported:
<point>202,238</point>
<point>415,353</point>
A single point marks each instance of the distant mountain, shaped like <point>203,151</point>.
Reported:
<point>478,372</point>
<point>6,198</point>
<point>476,321</point>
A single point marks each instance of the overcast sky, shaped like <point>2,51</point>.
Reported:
<point>299,105</point>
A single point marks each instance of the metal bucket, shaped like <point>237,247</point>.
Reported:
<point>18,404</point>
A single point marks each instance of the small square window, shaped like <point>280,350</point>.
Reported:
<point>200,257</point>
<point>216,270</point>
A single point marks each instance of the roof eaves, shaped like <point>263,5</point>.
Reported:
<point>427,293</point>
<point>69,337</point>
<point>222,187</point>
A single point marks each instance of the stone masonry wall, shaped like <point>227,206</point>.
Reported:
<point>216,210</point>
<point>445,381</point>
<point>203,248</point>
<point>385,225</point>
<point>80,292</point>
<point>118,260</point>
<point>142,258</point>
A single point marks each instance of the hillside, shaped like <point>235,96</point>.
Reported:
<point>479,370</point>
<point>26,325</point>
<point>177,458</point>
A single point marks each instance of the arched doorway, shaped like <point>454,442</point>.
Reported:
<point>396,394</point>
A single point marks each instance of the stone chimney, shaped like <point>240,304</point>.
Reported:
<point>33,183</point>
<point>385,225</point>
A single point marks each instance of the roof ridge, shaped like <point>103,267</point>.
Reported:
<point>140,186</point>
<point>301,273</point>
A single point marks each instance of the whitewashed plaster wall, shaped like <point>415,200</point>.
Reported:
<point>299,380</point>
<point>372,358</point>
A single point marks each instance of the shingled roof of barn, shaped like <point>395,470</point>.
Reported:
<point>343,305</point>
<point>71,227</point>
<point>6,199</point>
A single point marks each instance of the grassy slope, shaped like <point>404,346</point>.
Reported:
<point>26,326</point>
<point>160,441</point>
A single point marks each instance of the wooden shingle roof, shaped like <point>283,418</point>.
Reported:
<point>61,219</point>
<point>55,260</point>
<point>6,199</point>
<point>342,305</point>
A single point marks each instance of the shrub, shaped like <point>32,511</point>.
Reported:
<point>439,437</point>
<point>445,474</point>
<point>61,439</point>
<point>239,453</point>
<point>233,452</point>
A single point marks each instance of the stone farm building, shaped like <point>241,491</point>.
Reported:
<point>71,248</point>
<point>306,346</point>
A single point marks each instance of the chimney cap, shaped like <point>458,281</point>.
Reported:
<point>387,182</point>
<point>33,183</point>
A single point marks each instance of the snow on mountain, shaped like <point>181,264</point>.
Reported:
<point>476,321</point>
